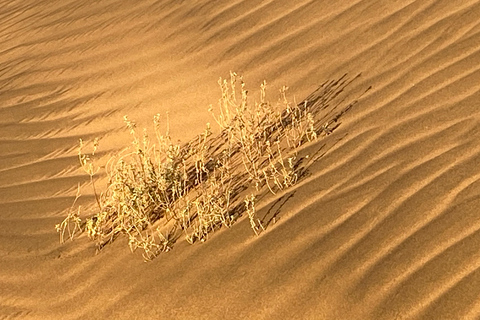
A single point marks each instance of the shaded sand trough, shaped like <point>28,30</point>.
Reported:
<point>385,226</point>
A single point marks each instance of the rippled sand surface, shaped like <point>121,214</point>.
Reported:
<point>385,225</point>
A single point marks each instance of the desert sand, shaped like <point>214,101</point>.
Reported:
<point>385,225</point>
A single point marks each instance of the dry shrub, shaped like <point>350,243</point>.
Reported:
<point>159,191</point>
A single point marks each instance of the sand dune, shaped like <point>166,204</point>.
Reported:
<point>384,225</point>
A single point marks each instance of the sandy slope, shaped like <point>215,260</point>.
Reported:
<point>385,226</point>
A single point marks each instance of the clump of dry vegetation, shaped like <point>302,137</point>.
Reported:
<point>159,191</point>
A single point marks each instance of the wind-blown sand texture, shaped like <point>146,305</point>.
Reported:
<point>385,226</point>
